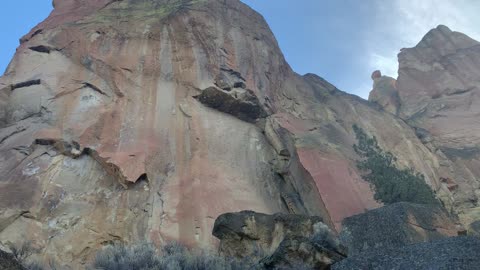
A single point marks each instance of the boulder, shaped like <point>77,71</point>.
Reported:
<point>239,102</point>
<point>460,253</point>
<point>384,92</point>
<point>279,240</point>
<point>394,226</point>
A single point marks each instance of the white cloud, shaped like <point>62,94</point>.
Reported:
<point>388,65</point>
<point>403,23</point>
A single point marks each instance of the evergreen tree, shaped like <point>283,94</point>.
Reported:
<point>390,183</point>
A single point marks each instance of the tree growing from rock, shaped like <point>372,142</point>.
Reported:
<point>390,183</point>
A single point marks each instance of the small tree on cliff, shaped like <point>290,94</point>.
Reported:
<point>390,183</point>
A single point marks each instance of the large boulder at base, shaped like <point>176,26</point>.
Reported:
<point>459,253</point>
<point>396,225</point>
<point>302,253</point>
<point>279,240</point>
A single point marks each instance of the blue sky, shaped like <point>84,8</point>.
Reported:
<point>342,41</point>
<point>17,18</point>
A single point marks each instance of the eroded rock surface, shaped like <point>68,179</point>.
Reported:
<point>385,92</point>
<point>114,89</point>
<point>439,90</point>
<point>241,103</point>
<point>279,240</point>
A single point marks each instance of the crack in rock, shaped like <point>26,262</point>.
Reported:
<point>19,130</point>
<point>43,49</point>
<point>25,84</point>
<point>94,88</point>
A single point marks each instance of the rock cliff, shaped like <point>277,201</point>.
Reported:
<point>140,120</point>
<point>438,90</point>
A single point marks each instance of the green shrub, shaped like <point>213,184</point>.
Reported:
<point>390,183</point>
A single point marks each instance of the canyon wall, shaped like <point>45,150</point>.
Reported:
<point>138,120</point>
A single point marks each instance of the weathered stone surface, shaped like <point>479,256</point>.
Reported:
<point>117,80</point>
<point>439,89</point>
<point>238,102</point>
<point>461,253</point>
<point>322,130</point>
<point>302,253</point>
<point>385,93</point>
<point>279,240</point>
<point>394,226</point>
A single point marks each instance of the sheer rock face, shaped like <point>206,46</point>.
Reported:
<point>103,140</point>
<point>439,90</point>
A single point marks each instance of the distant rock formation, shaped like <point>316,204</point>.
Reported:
<point>438,94</point>
<point>385,92</point>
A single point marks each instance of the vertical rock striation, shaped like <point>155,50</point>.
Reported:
<point>139,120</point>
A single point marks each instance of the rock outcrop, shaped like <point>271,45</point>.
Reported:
<point>128,121</point>
<point>278,241</point>
<point>395,226</point>
<point>385,92</point>
<point>437,93</point>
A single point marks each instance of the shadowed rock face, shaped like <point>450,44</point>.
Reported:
<point>136,157</point>
<point>439,90</point>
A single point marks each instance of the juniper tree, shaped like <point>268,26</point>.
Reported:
<point>390,183</point>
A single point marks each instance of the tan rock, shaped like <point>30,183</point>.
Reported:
<point>439,91</point>
<point>137,158</point>
<point>385,93</point>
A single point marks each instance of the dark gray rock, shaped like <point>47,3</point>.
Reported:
<point>228,79</point>
<point>241,103</point>
<point>454,253</point>
<point>303,253</point>
<point>396,225</point>
<point>474,228</point>
<point>8,262</point>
